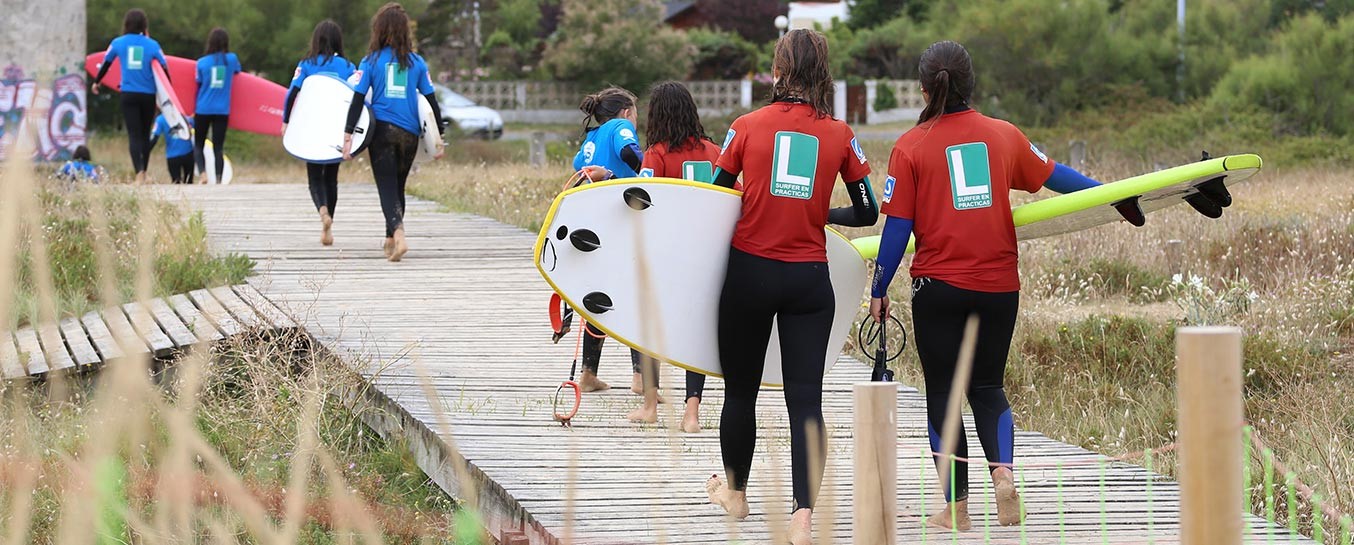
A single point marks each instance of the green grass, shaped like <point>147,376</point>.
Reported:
<point>181,259</point>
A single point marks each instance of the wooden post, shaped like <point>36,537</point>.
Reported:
<point>537,149</point>
<point>875,475</point>
<point>1208,370</point>
<point>1077,152</point>
<point>1175,257</point>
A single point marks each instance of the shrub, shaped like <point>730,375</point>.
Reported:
<point>620,42</point>
<point>721,54</point>
<point>884,99</point>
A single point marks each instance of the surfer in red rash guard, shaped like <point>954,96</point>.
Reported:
<point>790,154</point>
<point>950,178</point>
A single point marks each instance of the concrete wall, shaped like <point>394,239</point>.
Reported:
<point>42,77</point>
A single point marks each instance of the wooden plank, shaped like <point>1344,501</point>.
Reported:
<point>123,334</point>
<point>10,367</point>
<point>173,326</point>
<point>54,347</point>
<point>265,308</point>
<point>215,312</point>
<point>201,327</point>
<point>237,307</point>
<point>107,348</point>
<point>30,351</point>
<point>78,341</point>
<point>149,330</point>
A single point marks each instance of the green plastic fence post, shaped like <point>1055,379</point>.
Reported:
<point>1062,510</point>
<point>1318,519</point>
<point>954,511</point>
<point>1151,511</point>
<point>1290,482</point>
<point>1104,522</point>
<point>1246,475</point>
<point>1268,460</point>
<point>109,478</point>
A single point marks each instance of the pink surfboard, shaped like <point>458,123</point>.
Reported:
<point>255,103</point>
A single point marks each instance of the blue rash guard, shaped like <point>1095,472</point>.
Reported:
<point>135,52</point>
<point>77,170</point>
<point>215,75</point>
<point>174,147</point>
<point>604,145</point>
<point>395,89</point>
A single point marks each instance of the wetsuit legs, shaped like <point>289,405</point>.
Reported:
<point>392,155</point>
<point>215,125</point>
<point>181,168</point>
<point>138,113</point>
<point>593,339</point>
<point>323,180</point>
<point>939,313</point>
<point>799,296</point>
<point>695,385</point>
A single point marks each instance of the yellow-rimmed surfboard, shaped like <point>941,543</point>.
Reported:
<point>643,259</point>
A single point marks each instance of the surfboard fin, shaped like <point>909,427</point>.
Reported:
<point>1131,210</point>
<point>1216,191</point>
<point>585,240</point>
<point>1204,205</point>
<point>637,198</point>
<point>597,302</point>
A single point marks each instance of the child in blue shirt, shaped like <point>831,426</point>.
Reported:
<point>178,151</point>
<point>215,74</point>
<point>80,168</point>
<point>325,57</point>
<point>610,150</point>
<point>136,51</point>
<point>395,75</point>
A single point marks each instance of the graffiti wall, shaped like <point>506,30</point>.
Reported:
<point>42,82</point>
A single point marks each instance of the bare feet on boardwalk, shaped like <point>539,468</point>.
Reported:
<point>691,422</point>
<point>1009,510</point>
<point>588,382</point>
<point>953,516</point>
<point>734,502</point>
<point>326,224</point>
<point>647,413</point>
<point>389,246</point>
<point>400,246</point>
<point>801,527</point>
<point>637,386</point>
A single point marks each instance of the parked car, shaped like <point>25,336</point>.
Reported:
<point>471,118</point>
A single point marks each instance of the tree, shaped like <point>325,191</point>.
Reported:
<point>721,54</point>
<point>754,20</point>
<point>620,42</point>
<point>872,13</point>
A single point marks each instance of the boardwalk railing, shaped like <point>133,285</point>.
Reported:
<point>160,327</point>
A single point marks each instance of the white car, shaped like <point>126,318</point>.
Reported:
<point>471,118</point>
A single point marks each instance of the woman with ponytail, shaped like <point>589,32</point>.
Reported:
<point>949,183</point>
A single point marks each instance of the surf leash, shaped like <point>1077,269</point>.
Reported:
<point>566,419</point>
<point>876,334</point>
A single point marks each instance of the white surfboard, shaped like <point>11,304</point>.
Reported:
<point>168,103</point>
<point>429,138</point>
<point>596,238</point>
<point>209,163</point>
<point>318,118</point>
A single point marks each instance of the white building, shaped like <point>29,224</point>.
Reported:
<point>809,14</point>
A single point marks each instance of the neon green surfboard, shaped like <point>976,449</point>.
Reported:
<point>1096,206</point>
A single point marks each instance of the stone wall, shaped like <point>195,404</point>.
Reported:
<point>42,77</point>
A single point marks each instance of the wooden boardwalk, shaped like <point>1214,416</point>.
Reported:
<point>160,328</point>
<point>465,317</point>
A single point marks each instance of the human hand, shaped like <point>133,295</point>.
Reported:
<point>441,151</point>
<point>596,173</point>
<point>879,308</point>
<point>347,147</point>
<point>284,129</point>
<point>94,88</point>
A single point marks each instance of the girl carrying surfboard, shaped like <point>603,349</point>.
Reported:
<point>216,71</point>
<point>325,56</point>
<point>396,77</point>
<point>611,150</point>
<point>949,182</point>
<point>790,154</point>
<point>136,51</point>
<point>678,148</point>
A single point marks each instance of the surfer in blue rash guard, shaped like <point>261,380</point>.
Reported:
<point>949,181</point>
<point>611,150</point>
<point>778,268</point>
<point>136,51</point>
<point>396,76</point>
<point>325,57</point>
<point>215,73</point>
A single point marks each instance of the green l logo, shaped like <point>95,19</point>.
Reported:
<point>218,77</point>
<point>136,57</point>
<point>698,171</point>
<point>397,80</point>
<point>794,164</point>
<point>970,175</point>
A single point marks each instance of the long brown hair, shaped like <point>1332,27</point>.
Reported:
<point>802,74</point>
<point>390,28</point>
<point>946,76</point>
<point>217,42</point>
<point>326,40</point>
<point>673,119</point>
<point>605,105</point>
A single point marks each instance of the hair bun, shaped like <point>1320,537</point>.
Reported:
<point>589,103</point>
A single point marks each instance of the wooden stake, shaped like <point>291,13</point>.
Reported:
<point>875,477</point>
<point>1208,368</point>
<point>1174,257</point>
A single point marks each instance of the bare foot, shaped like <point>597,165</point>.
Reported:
<point>734,502</point>
<point>400,246</point>
<point>1009,510</point>
<point>326,223</point>
<point>646,413</point>
<point>637,384</point>
<point>691,422</point>
<point>953,516</point>
<point>389,246</point>
<point>588,382</point>
<point>801,527</point>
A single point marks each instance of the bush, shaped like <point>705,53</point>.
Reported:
<point>721,54</point>
<point>883,98</point>
<point>620,42</point>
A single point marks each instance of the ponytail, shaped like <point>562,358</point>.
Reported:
<point>605,105</point>
<point>947,77</point>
